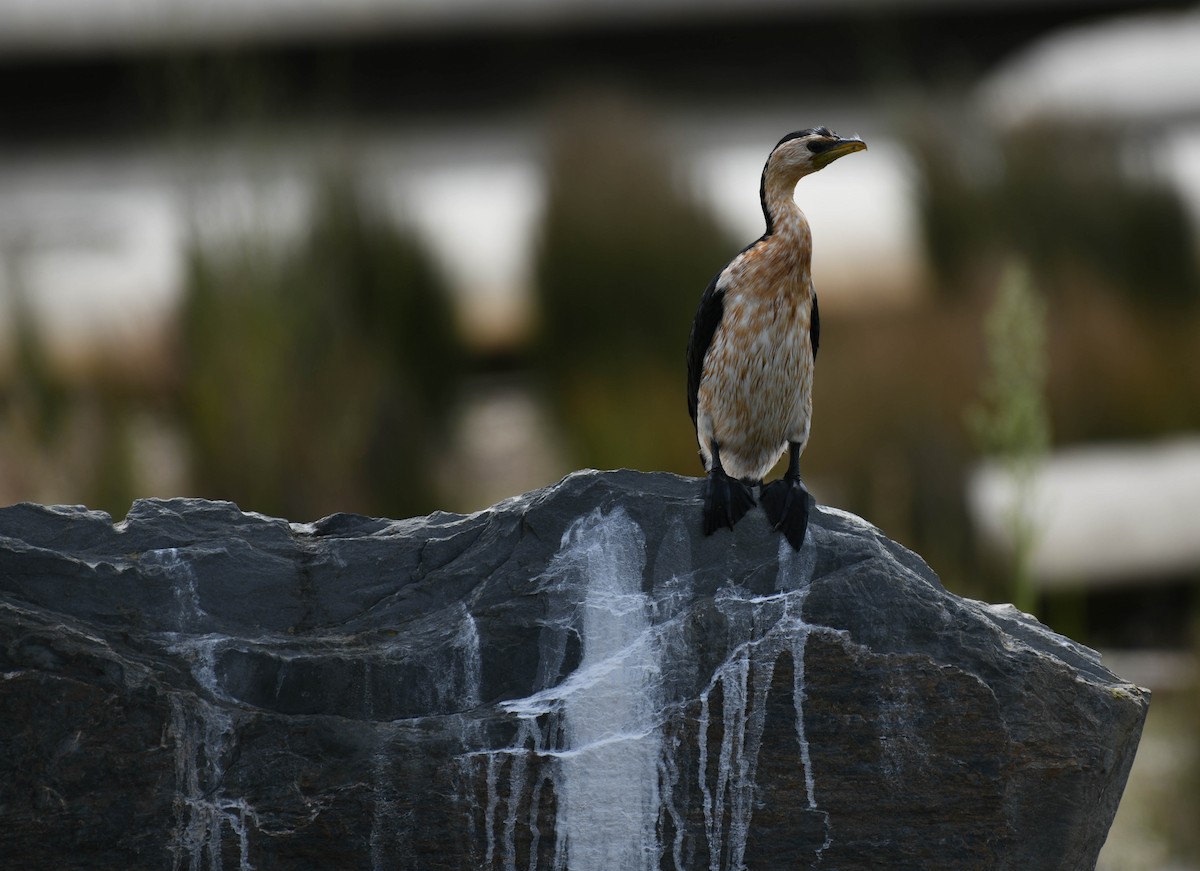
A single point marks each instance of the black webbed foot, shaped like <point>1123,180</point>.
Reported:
<point>786,500</point>
<point>786,503</point>
<point>726,501</point>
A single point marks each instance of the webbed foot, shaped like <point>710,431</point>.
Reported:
<point>726,501</point>
<point>786,503</point>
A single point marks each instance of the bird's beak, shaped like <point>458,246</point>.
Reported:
<point>839,149</point>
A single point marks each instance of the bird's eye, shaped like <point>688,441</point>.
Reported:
<point>816,146</point>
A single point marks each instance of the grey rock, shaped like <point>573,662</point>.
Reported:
<point>575,678</point>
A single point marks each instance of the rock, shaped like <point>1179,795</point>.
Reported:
<point>574,678</point>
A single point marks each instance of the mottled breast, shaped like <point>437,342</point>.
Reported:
<point>756,391</point>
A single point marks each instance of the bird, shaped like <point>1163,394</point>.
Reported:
<point>752,347</point>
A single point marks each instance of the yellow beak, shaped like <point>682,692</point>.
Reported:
<point>839,149</point>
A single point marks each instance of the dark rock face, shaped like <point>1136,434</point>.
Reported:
<point>573,679</point>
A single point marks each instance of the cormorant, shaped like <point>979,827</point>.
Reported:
<point>752,347</point>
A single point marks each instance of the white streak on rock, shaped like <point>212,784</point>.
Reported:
<point>609,798</point>
<point>466,646</point>
<point>182,575</point>
<point>598,734</point>
<point>202,734</point>
<point>771,625</point>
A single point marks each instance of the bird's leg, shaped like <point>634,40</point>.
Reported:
<point>786,501</point>
<point>726,500</point>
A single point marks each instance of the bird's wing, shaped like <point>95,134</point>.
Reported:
<point>708,316</point>
<point>814,325</point>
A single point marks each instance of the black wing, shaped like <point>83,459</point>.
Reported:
<point>708,316</point>
<point>814,327</point>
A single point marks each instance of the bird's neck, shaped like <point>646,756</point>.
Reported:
<point>783,216</point>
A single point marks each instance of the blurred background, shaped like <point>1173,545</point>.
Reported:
<point>390,257</point>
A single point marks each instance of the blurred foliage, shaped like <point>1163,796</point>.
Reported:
<point>41,396</point>
<point>1110,246</point>
<point>318,379</point>
<point>1063,198</point>
<point>888,439</point>
<point>1011,419</point>
<point>1011,422</point>
<point>64,440</point>
<point>625,253</point>
<point>1112,253</point>
<point>1117,371</point>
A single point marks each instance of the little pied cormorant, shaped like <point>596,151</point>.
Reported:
<point>752,347</point>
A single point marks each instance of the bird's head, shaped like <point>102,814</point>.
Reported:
<point>805,151</point>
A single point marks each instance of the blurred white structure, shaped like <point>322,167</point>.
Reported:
<point>96,244</point>
<point>1136,74</point>
<point>1142,67</point>
<point>1104,515</point>
<point>1109,514</point>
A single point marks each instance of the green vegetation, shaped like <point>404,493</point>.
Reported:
<point>1011,422</point>
<point>624,256</point>
<point>1064,199</point>
<point>64,439</point>
<point>318,379</point>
